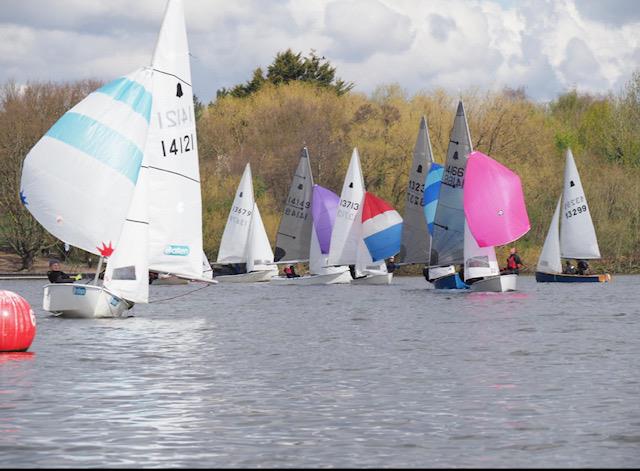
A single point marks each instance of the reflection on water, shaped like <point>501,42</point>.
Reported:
<point>332,376</point>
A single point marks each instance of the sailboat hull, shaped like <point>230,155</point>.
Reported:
<point>496,284</point>
<point>327,279</point>
<point>374,279</point>
<point>251,277</point>
<point>83,301</point>
<point>542,277</point>
<point>452,281</point>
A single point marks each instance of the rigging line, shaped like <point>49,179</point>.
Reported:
<point>138,222</point>
<point>179,295</point>
<point>172,75</point>
<point>175,173</point>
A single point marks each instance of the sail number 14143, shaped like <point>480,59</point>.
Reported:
<point>178,145</point>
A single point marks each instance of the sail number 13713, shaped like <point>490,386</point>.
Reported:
<point>177,146</point>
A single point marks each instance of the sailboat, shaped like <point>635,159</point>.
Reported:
<point>447,243</point>
<point>496,215</point>
<point>305,229</point>
<point>415,245</point>
<point>118,176</point>
<point>245,247</point>
<point>366,231</point>
<point>575,237</point>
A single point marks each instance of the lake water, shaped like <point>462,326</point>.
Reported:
<point>332,376</point>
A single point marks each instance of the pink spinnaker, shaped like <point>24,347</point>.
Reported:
<point>493,202</point>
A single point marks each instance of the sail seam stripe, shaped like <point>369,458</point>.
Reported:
<point>99,141</point>
<point>131,93</point>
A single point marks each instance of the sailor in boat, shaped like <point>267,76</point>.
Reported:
<point>290,272</point>
<point>569,268</point>
<point>583,267</point>
<point>56,275</point>
<point>391,264</point>
<point>514,263</point>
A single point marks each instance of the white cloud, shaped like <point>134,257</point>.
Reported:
<point>360,28</point>
<point>547,46</point>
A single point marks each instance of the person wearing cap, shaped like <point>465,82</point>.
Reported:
<point>56,275</point>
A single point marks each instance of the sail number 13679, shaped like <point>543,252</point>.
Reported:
<point>178,145</point>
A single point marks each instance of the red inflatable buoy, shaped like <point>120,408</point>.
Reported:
<point>17,323</point>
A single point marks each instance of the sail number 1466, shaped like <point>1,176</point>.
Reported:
<point>177,146</point>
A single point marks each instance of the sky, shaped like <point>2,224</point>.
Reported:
<point>546,46</point>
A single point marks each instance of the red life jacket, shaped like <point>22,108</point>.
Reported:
<point>511,262</point>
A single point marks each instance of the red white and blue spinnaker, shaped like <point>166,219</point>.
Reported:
<point>381,227</point>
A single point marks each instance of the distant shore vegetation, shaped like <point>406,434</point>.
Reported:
<point>300,102</point>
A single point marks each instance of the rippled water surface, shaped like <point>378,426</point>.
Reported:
<point>332,376</point>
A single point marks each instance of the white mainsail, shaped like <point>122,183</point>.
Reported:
<point>236,232</point>
<point>259,255</point>
<point>549,260</point>
<point>78,180</point>
<point>171,156</point>
<point>577,234</point>
<point>346,237</point>
<point>416,240</point>
<point>448,234</point>
<point>294,232</point>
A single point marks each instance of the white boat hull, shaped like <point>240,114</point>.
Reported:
<point>83,301</point>
<point>327,279</point>
<point>251,277</point>
<point>496,284</point>
<point>374,279</point>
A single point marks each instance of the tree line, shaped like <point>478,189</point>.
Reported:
<point>267,120</point>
